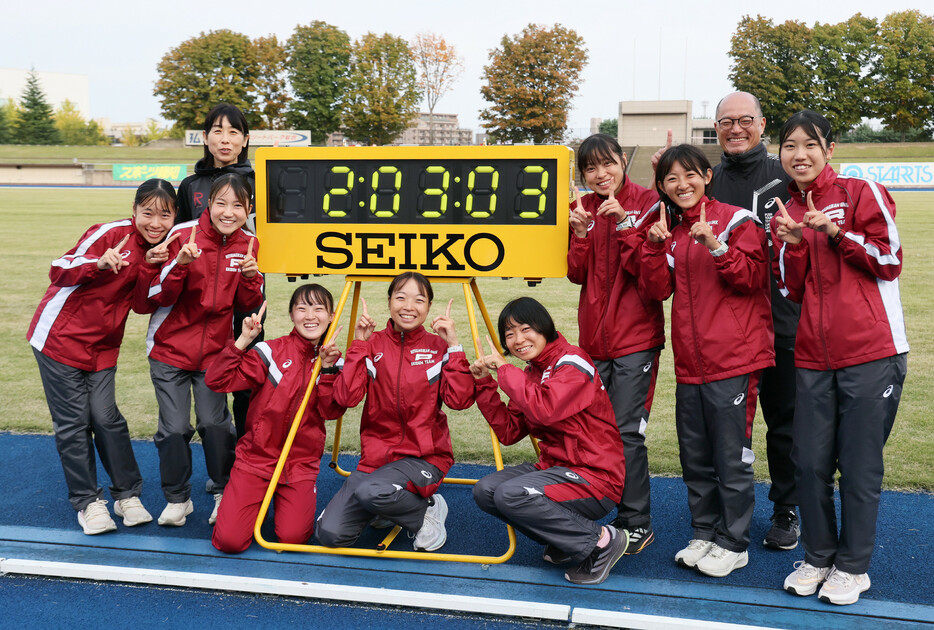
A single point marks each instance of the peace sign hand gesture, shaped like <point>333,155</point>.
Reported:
<point>189,251</point>
<point>248,266</point>
<point>580,219</point>
<point>788,230</point>
<point>701,231</point>
<point>112,258</point>
<point>252,327</point>
<point>160,253</point>
<point>330,353</point>
<point>494,360</point>
<point>659,233</point>
<point>443,326</point>
<point>365,325</point>
<point>817,220</point>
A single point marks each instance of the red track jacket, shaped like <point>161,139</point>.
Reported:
<point>405,379</point>
<point>560,400</point>
<point>851,311</point>
<point>614,318</point>
<point>277,371</point>
<point>721,318</point>
<point>196,301</point>
<point>81,318</point>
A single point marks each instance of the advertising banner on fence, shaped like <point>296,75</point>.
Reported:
<point>142,172</point>
<point>260,138</point>
<point>893,175</point>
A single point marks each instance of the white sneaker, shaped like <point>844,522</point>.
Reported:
<point>696,549</point>
<point>132,511</point>
<point>174,513</point>
<point>720,562</point>
<point>95,518</point>
<point>843,588</point>
<point>217,503</point>
<point>432,535</point>
<point>805,579</point>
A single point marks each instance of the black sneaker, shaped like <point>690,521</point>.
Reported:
<point>784,531</point>
<point>639,539</point>
<point>553,555</point>
<point>596,568</point>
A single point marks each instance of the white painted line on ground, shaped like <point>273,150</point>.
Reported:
<point>650,622</point>
<point>313,590</point>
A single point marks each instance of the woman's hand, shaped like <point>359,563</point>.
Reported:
<point>251,328</point>
<point>580,219</point>
<point>659,233</point>
<point>189,251</point>
<point>787,230</point>
<point>478,369</point>
<point>443,326</point>
<point>248,266</point>
<point>365,325</point>
<point>112,259</point>
<point>702,233</point>
<point>494,360</point>
<point>330,353</point>
<point>160,253</point>
<point>818,221</point>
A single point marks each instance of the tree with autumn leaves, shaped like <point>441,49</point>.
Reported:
<point>530,82</point>
<point>438,66</point>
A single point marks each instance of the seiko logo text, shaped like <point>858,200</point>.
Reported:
<point>424,252</point>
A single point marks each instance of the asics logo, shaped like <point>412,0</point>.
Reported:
<point>739,399</point>
<point>426,474</point>
<point>287,364</point>
<point>125,253</point>
<point>647,367</point>
<point>888,391</point>
<point>590,225</point>
<point>379,355</point>
<point>571,475</point>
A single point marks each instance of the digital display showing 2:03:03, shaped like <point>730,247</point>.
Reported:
<point>408,191</point>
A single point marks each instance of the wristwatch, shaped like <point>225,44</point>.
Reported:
<point>835,240</point>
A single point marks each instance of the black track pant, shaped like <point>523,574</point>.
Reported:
<point>555,506</point>
<point>630,382</point>
<point>84,415</point>
<point>842,420</point>
<point>777,399</point>
<point>714,422</point>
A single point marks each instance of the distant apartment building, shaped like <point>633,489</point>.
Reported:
<point>447,131</point>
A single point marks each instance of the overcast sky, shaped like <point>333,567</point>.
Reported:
<point>668,49</point>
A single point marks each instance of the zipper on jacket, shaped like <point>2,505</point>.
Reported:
<point>609,286</point>
<point>399,388</point>
<point>687,269</point>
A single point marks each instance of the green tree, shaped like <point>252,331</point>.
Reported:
<point>902,75</point>
<point>438,65</point>
<point>214,67</point>
<point>271,87</point>
<point>153,131</point>
<point>530,81</point>
<point>6,115</point>
<point>610,127</point>
<point>34,123</point>
<point>74,129</point>
<point>775,64</point>
<point>318,61</point>
<point>383,96</point>
<point>843,56</point>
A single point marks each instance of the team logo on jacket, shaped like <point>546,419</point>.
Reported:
<point>647,367</point>
<point>836,212</point>
<point>888,391</point>
<point>590,225</point>
<point>571,475</point>
<point>423,356</point>
<point>125,254</point>
<point>739,399</point>
<point>287,364</point>
<point>426,474</point>
<point>545,375</point>
<point>379,355</point>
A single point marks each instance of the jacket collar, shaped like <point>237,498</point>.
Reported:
<point>552,351</point>
<point>205,166</point>
<point>825,179</point>
<point>306,347</point>
<point>744,161</point>
<point>411,335</point>
<point>206,229</point>
<point>692,215</point>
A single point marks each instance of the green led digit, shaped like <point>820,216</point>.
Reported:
<point>440,193</point>
<point>489,192</point>
<point>292,183</point>
<point>533,192</point>
<point>340,192</point>
<point>379,192</point>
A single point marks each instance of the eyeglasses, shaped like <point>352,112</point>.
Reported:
<point>744,121</point>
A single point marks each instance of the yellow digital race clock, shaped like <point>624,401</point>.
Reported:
<point>442,211</point>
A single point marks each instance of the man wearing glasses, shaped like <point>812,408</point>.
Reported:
<point>749,177</point>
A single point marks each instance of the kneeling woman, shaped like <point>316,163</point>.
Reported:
<point>560,400</point>
<point>405,372</point>
<point>277,373</point>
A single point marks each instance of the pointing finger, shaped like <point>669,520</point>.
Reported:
<point>191,239</point>
<point>664,213</point>
<point>782,209</point>
<point>703,212</point>
<point>811,201</point>
<point>447,313</point>
<point>363,301</point>
<point>492,347</point>
<point>577,197</point>
<point>249,249</point>
<point>262,310</point>
<point>166,242</point>
<point>122,242</point>
<point>668,142</point>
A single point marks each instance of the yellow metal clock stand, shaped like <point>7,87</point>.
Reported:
<point>471,292</point>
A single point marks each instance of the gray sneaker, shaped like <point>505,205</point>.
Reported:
<point>132,512</point>
<point>433,535</point>
<point>596,567</point>
<point>95,518</point>
<point>805,579</point>
<point>843,588</point>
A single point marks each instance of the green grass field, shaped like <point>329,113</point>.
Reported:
<point>37,226</point>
